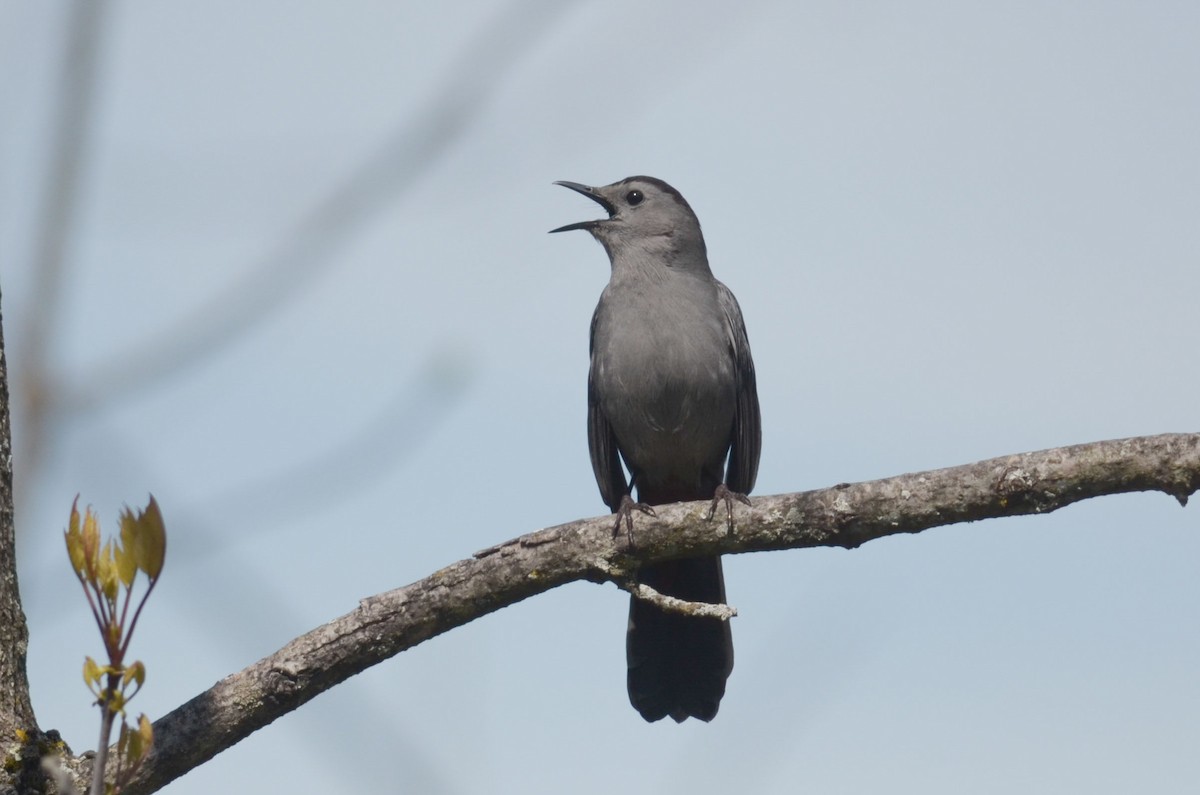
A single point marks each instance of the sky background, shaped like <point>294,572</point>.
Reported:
<point>308,300</point>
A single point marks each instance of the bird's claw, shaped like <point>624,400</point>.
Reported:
<point>624,513</point>
<point>723,493</point>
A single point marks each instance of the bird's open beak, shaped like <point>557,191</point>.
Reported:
<point>594,196</point>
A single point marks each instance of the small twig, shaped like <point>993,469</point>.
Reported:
<point>628,583</point>
<point>106,723</point>
<point>675,605</point>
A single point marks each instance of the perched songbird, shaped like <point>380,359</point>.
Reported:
<point>671,392</point>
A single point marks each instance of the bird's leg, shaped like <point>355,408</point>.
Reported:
<point>625,512</point>
<point>723,492</point>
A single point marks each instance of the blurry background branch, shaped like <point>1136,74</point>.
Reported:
<point>315,239</point>
<point>331,473</point>
<point>71,131</point>
<point>309,246</point>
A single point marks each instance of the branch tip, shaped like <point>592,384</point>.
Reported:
<point>673,605</point>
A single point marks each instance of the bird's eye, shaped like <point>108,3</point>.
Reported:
<point>634,197</point>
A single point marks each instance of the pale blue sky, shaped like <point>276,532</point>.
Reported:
<point>956,231</point>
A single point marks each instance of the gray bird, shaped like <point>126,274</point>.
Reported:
<point>671,392</point>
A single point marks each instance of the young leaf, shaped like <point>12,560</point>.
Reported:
<point>91,539</point>
<point>91,673</point>
<point>128,525</point>
<point>74,540</point>
<point>75,551</point>
<point>133,752</point>
<point>151,540</point>
<point>107,573</point>
<point>126,565</point>
<point>134,673</point>
<point>146,729</point>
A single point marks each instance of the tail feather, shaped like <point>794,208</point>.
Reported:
<point>678,664</point>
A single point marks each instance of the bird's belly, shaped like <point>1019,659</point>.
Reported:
<point>672,412</point>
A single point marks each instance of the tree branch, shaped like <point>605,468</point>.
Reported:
<point>673,604</point>
<point>18,726</point>
<point>846,515</point>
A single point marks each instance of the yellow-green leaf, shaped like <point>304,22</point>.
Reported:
<point>126,565</point>
<point>107,573</point>
<point>91,539</point>
<point>134,752</point>
<point>127,523</point>
<point>146,730</point>
<point>75,539</point>
<point>91,672</point>
<point>75,551</point>
<point>151,540</point>
<point>134,673</point>
<point>127,552</point>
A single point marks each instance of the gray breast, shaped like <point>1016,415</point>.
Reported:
<point>664,377</point>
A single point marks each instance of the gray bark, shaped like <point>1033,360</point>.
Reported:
<point>22,740</point>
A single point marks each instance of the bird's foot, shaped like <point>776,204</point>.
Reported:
<point>723,493</point>
<point>624,513</point>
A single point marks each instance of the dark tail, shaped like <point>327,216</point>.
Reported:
<point>678,664</point>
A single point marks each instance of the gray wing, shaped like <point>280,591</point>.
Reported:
<point>602,442</point>
<point>744,450</point>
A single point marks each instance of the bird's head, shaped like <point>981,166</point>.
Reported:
<point>646,218</point>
